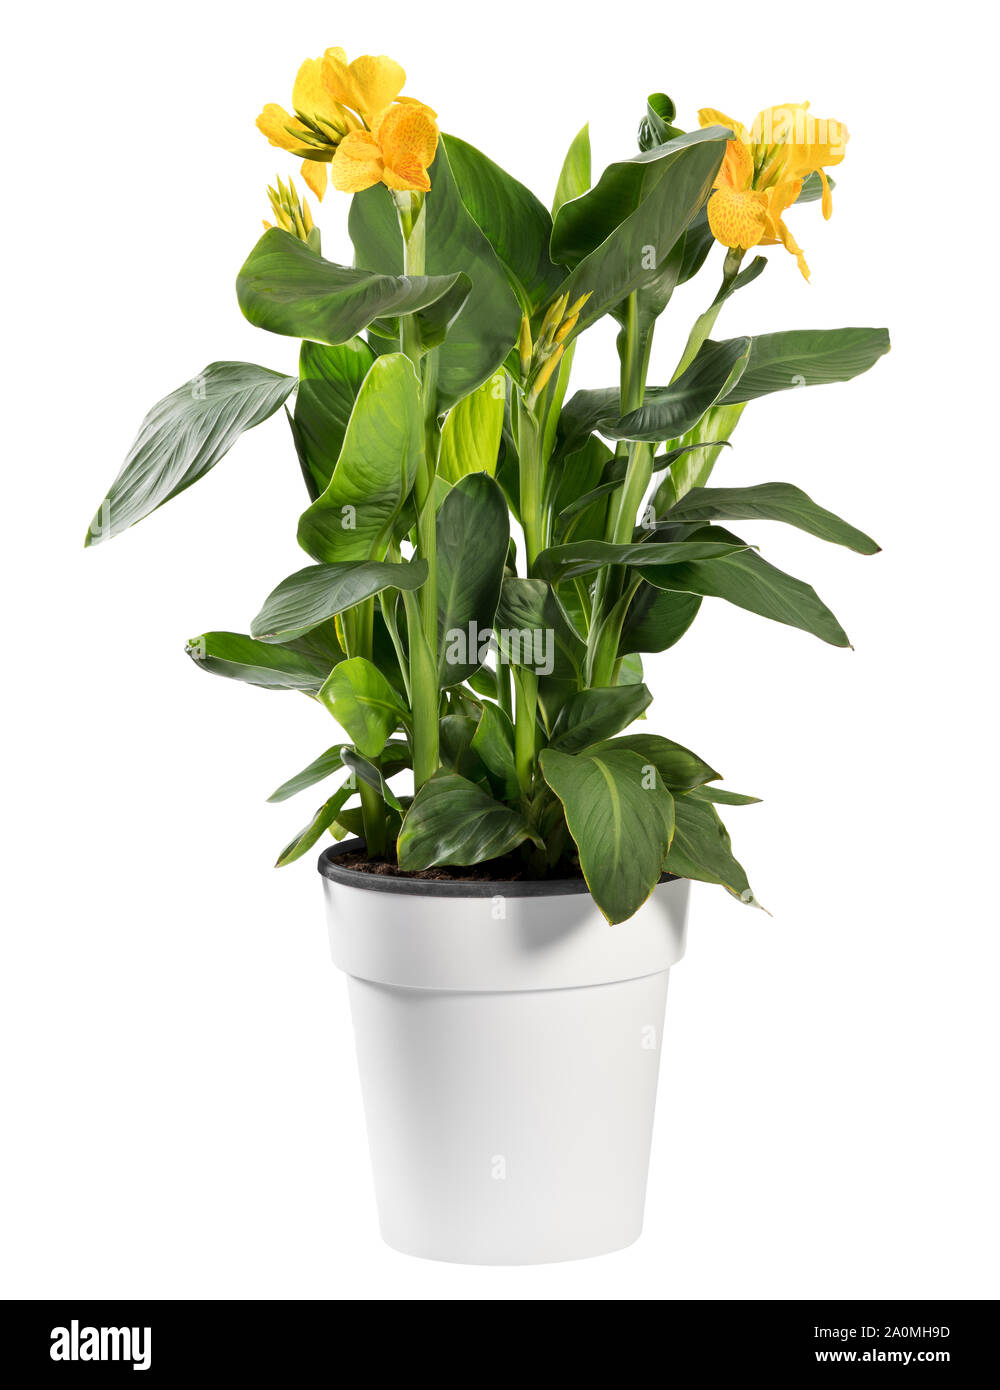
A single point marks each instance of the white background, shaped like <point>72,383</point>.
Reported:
<point>180,1107</point>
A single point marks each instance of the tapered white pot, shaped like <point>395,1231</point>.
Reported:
<point>509,1043</point>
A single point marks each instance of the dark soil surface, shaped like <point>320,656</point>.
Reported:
<point>506,870</point>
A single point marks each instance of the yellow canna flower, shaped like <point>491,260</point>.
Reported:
<point>762,173</point>
<point>396,151</point>
<point>390,138</point>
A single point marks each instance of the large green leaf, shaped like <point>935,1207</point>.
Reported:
<point>322,820</point>
<point>621,817</point>
<point>534,631</point>
<point>487,327</point>
<point>668,411</point>
<point>683,164</point>
<point>748,581</point>
<point>364,703</point>
<point>353,518</point>
<point>807,357</point>
<point>266,664</point>
<point>493,743</point>
<point>319,592</point>
<point>330,379</point>
<point>591,716</point>
<point>452,821</point>
<point>470,437</point>
<point>680,769</point>
<point>770,502</point>
<point>574,176</point>
<point>473,537</point>
<point>185,435</point>
<point>562,562</point>
<point>286,287</point>
<point>656,619</point>
<point>636,252</point>
<point>513,221</point>
<point>702,849</point>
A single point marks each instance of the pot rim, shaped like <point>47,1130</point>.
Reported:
<point>442,888</point>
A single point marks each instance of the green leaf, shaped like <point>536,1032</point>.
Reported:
<point>723,797</point>
<point>632,254</point>
<point>668,411</point>
<point>695,467</point>
<point>562,562</point>
<point>680,769</point>
<point>319,592</point>
<point>322,820</point>
<point>452,821</point>
<point>656,619</point>
<point>353,519</point>
<point>702,849</point>
<point>285,287</point>
<point>184,436</point>
<point>527,613</point>
<point>364,703</point>
<point>591,716</point>
<point>687,166</point>
<point>265,664</point>
<point>318,770</point>
<point>621,817</point>
<point>487,327</point>
<point>807,357</point>
<point>330,379</point>
<point>574,176</point>
<point>657,127</point>
<point>770,502</point>
<point>372,775</point>
<point>473,535</point>
<point>749,582</point>
<point>493,742</point>
<point>470,437</point>
<point>513,221</point>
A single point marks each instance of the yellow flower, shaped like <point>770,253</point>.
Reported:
<point>762,174</point>
<point>359,103</point>
<point>397,151</point>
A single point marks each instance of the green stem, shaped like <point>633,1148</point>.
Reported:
<point>532,482</point>
<point>372,805</point>
<point>421,615</point>
<point>705,322</point>
<point>525,727</point>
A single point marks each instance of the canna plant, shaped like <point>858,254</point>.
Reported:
<point>490,554</point>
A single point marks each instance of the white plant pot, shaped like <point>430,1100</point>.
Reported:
<point>508,1042</point>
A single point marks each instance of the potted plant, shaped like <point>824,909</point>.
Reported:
<point>490,558</point>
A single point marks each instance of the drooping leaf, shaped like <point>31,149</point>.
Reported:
<point>184,436</point>
<point>770,502</point>
<point>513,221</point>
<point>452,821</point>
<point>807,357</point>
<point>372,775</point>
<point>353,518</point>
<point>487,327</point>
<point>656,619</point>
<point>694,468</point>
<point>364,703</point>
<point>592,716</point>
<point>470,436</point>
<point>668,411</point>
<point>285,287</point>
<point>721,797</point>
<point>621,817</point>
<point>265,664</point>
<point>330,379</point>
<point>319,592</point>
<point>702,849</point>
<point>322,820</point>
<point>748,581</point>
<point>473,535</point>
<point>533,630</point>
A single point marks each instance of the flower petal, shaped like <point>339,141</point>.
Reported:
<point>367,85</point>
<point>736,170</point>
<point>314,174</point>
<point>709,116</point>
<point>407,172</point>
<point>357,163</point>
<point>737,218</point>
<point>284,130</point>
<point>406,130</point>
